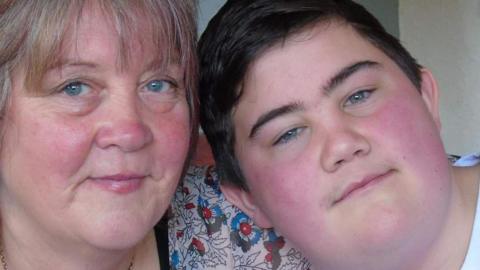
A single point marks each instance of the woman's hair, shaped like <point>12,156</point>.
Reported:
<point>32,32</point>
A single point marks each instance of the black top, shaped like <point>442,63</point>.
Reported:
<point>161,234</point>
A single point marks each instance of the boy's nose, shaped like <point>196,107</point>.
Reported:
<point>342,146</point>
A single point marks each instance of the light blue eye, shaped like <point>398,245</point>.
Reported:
<point>288,136</point>
<point>158,85</point>
<point>358,97</point>
<point>75,89</point>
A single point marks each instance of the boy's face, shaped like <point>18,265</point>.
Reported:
<point>341,152</point>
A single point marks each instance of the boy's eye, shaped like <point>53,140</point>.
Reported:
<point>75,89</point>
<point>158,86</point>
<point>289,135</point>
<point>358,97</point>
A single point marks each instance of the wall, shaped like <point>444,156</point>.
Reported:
<point>385,10</point>
<point>207,8</point>
<point>445,36</point>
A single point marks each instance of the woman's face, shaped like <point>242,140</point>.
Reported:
<point>96,156</point>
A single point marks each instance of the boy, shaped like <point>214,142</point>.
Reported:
<point>323,126</point>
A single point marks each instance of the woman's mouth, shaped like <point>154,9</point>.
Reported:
<point>119,183</point>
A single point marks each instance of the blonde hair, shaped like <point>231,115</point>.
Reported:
<point>32,31</point>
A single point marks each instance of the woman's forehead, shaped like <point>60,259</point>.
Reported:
<point>132,34</point>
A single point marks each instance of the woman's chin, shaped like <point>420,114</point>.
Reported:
<point>117,234</point>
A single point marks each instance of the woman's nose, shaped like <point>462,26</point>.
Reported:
<point>124,127</point>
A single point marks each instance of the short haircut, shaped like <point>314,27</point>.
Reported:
<point>242,31</point>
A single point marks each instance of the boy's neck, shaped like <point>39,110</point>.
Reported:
<point>450,249</point>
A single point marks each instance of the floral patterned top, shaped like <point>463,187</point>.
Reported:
<point>207,232</point>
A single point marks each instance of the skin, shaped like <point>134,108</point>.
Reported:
<point>92,120</point>
<point>353,165</point>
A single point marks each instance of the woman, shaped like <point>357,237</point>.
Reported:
<point>97,105</point>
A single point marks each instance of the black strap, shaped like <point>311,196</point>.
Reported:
<point>161,234</point>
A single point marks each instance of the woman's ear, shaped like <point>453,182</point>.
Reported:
<point>245,202</point>
<point>430,95</point>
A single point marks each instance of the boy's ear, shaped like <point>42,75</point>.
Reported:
<point>245,201</point>
<point>429,92</point>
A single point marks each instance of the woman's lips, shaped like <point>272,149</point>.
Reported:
<point>119,183</point>
<point>365,183</point>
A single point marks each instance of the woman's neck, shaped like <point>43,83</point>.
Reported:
<point>23,250</point>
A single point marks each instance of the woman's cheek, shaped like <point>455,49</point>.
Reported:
<point>172,138</point>
<point>64,147</point>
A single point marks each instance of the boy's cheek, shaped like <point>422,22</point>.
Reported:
<point>404,126</point>
<point>279,183</point>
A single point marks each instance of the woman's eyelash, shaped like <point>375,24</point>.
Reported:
<point>74,88</point>
<point>160,85</point>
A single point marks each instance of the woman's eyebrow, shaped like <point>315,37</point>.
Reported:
<point>71,63</point>
<point>274,113</point>
<point>346,72</point>
<point>163,64</point>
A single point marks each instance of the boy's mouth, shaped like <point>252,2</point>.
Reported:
<point>362,185</point>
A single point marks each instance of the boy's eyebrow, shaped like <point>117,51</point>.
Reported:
<point>272,114</point>
<point>346,72</point>
<point>333,82</point>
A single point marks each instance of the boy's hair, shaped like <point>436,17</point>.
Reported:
<point>32,32</point>
<point>244,29</point>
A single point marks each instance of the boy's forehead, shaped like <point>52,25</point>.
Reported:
<point>328,29</point>
<point>316,59</point>
<point>333,44</point>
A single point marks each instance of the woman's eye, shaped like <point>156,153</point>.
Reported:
<point>159,86</point>
<point>75,89</point>
<point>358,97</point>
<point>288,136</point>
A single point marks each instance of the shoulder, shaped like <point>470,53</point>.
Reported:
<point>467,160</point>
<point>466,170</point>
<point>207,232</point>
<point>198,236</point>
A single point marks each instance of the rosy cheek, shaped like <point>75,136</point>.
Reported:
<point>172,137</point>
<point>407,129</point>
<point>401,121</point>
<point>276,184</point>
<point>67,145</point>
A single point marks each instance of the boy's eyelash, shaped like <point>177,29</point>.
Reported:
<point>288,136</point>
<point>369,92</point>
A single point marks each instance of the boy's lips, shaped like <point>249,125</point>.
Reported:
<point>361,185</point>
